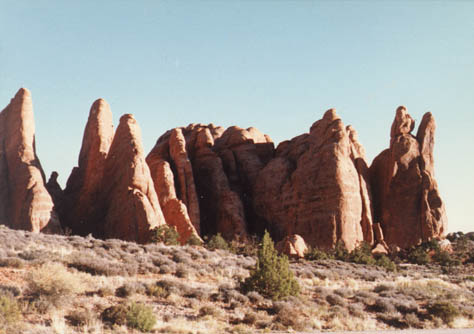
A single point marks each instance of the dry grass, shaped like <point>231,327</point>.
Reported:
<point>63,283</point>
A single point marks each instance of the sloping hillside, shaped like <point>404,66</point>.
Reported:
<point>70,284</point>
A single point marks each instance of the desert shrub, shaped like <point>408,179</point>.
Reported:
<point>181,256</point>
<point>385,262</point>
<point>392,320</point>
<point>53,282</point>
<point>443,310</point>
<point>115,315</point>
<point>209,310</point>
<point>183,271</point>
<point>271,276</point>
<point>199,294</point>
<point>217,242</point>
<point>413,321</point>
<point>250,318</point>
<point>340,252</point>
<point>194,241</point>
<point>9,290</point>
<point>92,264</point>
<point>406,306</point>
<point>383,305</point>
<point>128,289</point>
<point>249,247</point>
<point>9,311</point>
<point>12,262</point>
<point>316,254</point>
<point>80,318</point>
<point>334,299</point>
<point>255,297</point>
<point>362,255</point>
<point>166,234</point>
<point>357,310</point>
<point>141,317</point>
<point>288,316</point>
<point>418,255</point>
<point>157,291</point>
<point>106,291</point>
<point>445,259</point>
<point>168,268</point>
<point>343,292</point>
<point>383,287</point>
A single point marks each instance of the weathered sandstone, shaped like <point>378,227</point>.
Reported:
<point>406,198</point>
<point>24,201</point>
<point>130,204</point>
<point>81,195</point>
<point>317,187</point>
<point>293,246</point>
<point>216,169</point>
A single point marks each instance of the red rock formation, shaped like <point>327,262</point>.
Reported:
<point>80,207</point>
<point>24,201</point>
<point>130,204</point>
<point>174,210</point>
<point>187,189</point>
<point>406,199</point>
<point>293,246</point>
<point>221,166</point>
<point>316,186</point>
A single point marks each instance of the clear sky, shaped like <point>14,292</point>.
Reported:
<point>275,65</point>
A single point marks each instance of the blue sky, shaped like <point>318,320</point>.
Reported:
<point>273,65</point>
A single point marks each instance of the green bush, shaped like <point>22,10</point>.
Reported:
<point>166,234</point>
<point>418,255</point>
<point>194,240</point>
<point>445,259</point>
<point>115,315</point>
<point>362,255</point>
<point>140,317</point>
<point>9,311</point>
<point>315,254</point>
<point>217,242</point>
<point>385,262</point>
<point>340,251</point>
<point>271,276</point>
<point>444,310</point>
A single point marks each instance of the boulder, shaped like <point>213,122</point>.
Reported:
<point>81,196</point>
<point>24,200</point>
<point>293,246</point>
<point>317,186</point>
<point>406,198</point>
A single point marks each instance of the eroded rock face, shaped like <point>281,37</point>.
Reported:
<point>317,187</point>
<point>174,210</point>
<point>81,195</point>
<point>220,166</point>
<point>293,246</point>
<point>130,207</point>
<point>24,201</point>
<point>406,198</point>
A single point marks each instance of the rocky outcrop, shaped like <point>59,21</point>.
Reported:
<point>292,246</point>
<point>130,207</point>
<point>317,186</point>
<point>220,166</point>
<point>24,201</point>
<point>81,196</point>
<point>175,211</point>
<point>187,188</point>
<point>111,194</point>
<point>406,198</point>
